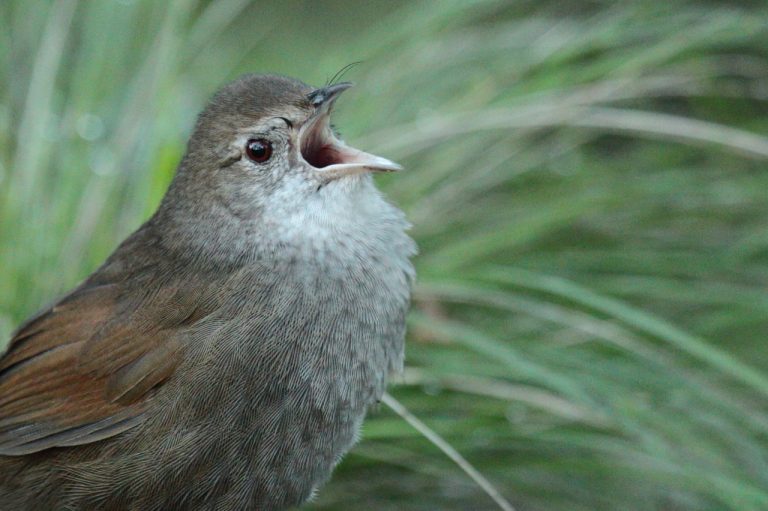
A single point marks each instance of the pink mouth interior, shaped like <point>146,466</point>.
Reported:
<point>318,149</point>
<point>323,156</point>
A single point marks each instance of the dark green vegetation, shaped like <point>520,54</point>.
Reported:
<point>588,186</point>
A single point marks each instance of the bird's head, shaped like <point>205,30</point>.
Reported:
<point>264,158</point>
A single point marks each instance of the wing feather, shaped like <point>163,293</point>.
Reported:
<point>82,370</point>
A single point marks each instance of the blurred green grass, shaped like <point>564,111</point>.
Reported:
<point>587,182</point>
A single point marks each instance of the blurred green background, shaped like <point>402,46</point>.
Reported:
<point>588,184</point>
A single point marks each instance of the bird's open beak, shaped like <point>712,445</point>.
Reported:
<point>327,155</point>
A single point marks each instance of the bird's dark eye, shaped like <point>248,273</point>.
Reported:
<point>258,150</point>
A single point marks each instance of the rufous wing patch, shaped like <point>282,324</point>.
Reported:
<point>82,370</point>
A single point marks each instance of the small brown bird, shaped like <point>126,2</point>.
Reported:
<point>224,356</point>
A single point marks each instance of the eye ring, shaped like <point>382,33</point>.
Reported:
<point>258,150</point>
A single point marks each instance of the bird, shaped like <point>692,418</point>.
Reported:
<point>225,355</point>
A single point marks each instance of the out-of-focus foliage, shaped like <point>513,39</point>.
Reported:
<point>588,183</point>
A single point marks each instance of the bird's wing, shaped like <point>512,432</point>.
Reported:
<point>81,370</point>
